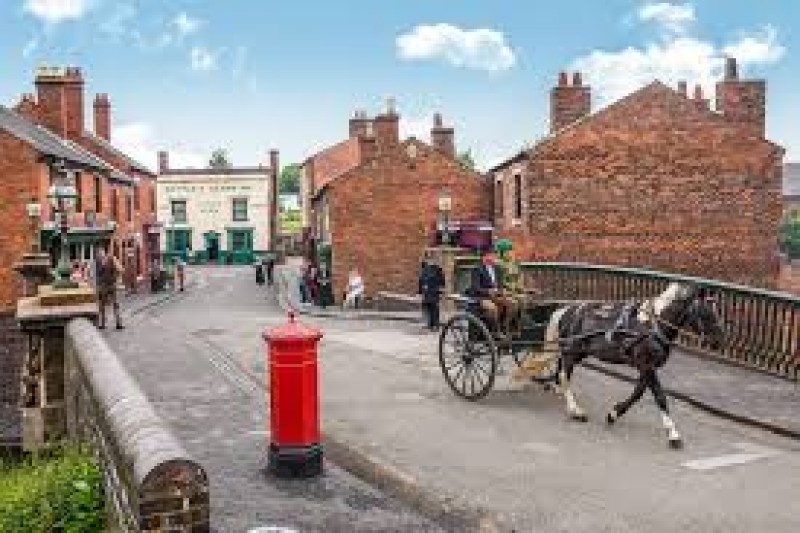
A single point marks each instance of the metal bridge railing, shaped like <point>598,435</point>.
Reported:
<point>762,327</point>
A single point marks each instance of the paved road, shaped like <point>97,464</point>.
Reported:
<point>514,453</point>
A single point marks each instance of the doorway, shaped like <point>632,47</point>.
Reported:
<point>212,246</point>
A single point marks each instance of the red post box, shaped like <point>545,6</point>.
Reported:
<point>295,449</point>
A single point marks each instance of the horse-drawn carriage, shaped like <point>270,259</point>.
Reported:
<point>470,353</point>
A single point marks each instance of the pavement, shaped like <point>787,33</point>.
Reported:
<point>510,462</point>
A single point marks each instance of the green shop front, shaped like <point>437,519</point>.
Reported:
<point>235,247</point>
<point>82,242</point>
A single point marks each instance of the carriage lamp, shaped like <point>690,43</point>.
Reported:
<point>445,206</point>
<point>62,197</point>
<point>34,210</point>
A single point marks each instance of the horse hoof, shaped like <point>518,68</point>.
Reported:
<point>611,418</point>
<point>580,417</point>
<point>676,444</point>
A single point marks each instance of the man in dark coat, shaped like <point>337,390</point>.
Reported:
<point>270,269</point>
<point>485,285</point>
<point>107,269</point>
<point>260,272</point>
<point>431,282</point>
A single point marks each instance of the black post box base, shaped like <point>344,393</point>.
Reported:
<point>295,461</point>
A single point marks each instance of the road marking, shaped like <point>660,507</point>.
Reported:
<point>540,447</point>
<point>750,452</point>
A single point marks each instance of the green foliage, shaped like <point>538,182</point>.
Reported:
<point>466,160</point>
<point>59,491</point>
<point>290,179</point>
<point>219,159</point>
<point>291,221</point>
<point>790,237</point>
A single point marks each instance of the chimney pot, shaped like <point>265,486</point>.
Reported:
<point>698,92</point>
<point>682,88</point>
<point>577,79</point>
<point>163,162</point>
<point>731,69</point>
<point>563,80</point>
<point>437,120</point>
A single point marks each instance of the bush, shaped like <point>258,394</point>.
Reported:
<point>60,491</point>
<point>790,237</point>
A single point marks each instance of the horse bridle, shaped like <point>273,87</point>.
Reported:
<point>656,320</point>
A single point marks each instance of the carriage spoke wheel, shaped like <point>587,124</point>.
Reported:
<point>467,356</point>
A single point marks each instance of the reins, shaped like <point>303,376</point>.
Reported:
<point>651,315</point>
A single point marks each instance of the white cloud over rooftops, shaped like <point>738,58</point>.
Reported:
<point>56,11</point>
<point>479,49</point>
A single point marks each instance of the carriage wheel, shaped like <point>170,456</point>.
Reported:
<point>467,356</point>
<point>547,371</point>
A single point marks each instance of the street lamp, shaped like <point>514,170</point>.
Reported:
<point>445,206</point>
<point>62,197</point>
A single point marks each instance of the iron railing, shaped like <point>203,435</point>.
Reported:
<point>762,327</point>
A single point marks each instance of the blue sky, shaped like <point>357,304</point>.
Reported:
<point>247,75</point>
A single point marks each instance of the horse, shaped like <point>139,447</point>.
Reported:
<point>638,335</point>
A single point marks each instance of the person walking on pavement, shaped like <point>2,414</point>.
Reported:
<point>431,282</point>
<point>270,270</point>
<point>108,271</point>
<point>325,289</point>
<point>180,268</point>
<point>260,272</point>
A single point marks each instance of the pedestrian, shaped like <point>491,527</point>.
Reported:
<point>130,270</point>
<point>431,282</point>
<point>311,283</point>
<point>107,270</point>
<point>355,290</point>
<point>260,272</point>
<point>325,294</point>
<point>180,268</point>
<point>270,270</point>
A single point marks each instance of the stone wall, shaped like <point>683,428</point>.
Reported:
<point>12,351</point>
<point>151,484</point>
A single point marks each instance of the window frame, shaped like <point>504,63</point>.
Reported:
<point>174,218</point>
<point>239,200</point>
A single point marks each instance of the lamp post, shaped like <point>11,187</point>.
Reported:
<point>445,205</point>
<point>62,197</point>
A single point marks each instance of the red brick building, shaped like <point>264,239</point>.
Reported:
<point>373,199</point>
<point>116,196</point>
<point>656,179</point>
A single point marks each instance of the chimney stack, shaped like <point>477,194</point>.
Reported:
<point>359,124</point>
<point>386,126</point>
<point>60,97</point>
<point>163,162</point>
<point>442,138</point>
<point>742,102</point>
<point>569,103</point>
<point>102,116</point>
<point>274,198</point>
<point>27,107</point>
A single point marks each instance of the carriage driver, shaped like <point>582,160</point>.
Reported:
<point>511,288</point>
<point>486,284</point>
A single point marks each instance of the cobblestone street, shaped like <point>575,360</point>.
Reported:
<point>513,456</point>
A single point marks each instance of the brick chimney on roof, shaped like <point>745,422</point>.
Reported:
<point>442,138</point>
<point>102,116</point>
<point>359,124</point>
<point>569,103</point>
<point>163,162</point>
<point>742,102</point>
<point>27,107</point>
<point>386,126</point>
<point>60,97</point>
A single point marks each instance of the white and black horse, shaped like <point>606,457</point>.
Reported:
<point>638,335</point>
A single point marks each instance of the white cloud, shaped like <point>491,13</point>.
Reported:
<point>30,47</point>
<point>55,11</point>
<point>202,59</point>
<point>760,47</point>
<point>673,17</point>
<point>480,49</point>
<point>185,25</point>
<point>614,74</point>
<point>138,139</point>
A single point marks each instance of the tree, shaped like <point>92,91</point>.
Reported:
<point>466,160</point>
<point>290,179</point>
<point>219,159</point>
<point>790,237</point>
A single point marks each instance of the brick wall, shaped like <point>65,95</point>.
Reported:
<point>382,214</point>
<point>654,181</point>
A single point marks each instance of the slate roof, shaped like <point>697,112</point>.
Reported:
<point>791,180</point>
<point>46,142</point>
<point>117,152</point>
<point>333,162</point>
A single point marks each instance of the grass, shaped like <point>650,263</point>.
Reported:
<point>60,490</point>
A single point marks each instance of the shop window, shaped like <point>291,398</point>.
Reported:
<point>98,195</point>
<point>517,196</point>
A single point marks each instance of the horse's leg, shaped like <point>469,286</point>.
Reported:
<point>622,407</point>
<point>573,409</point>
<point>674,437</point>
